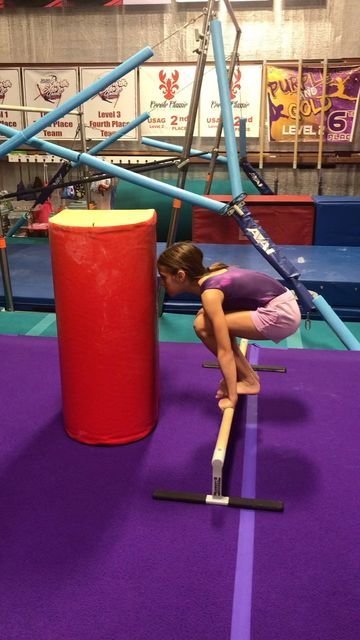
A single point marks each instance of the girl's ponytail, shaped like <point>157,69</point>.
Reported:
<point>217,266</point>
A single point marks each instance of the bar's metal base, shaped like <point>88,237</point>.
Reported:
<point>203,498</point>
<point>211,364</point>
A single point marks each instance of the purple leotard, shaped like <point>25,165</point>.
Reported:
<point>244,289</point>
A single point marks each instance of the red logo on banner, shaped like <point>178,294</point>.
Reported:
<point>235,84</point>
<point>51,89</point>
<point>169,86</point>
<point>113,91</point>
<point>55,3</point>
<point>4,86</point>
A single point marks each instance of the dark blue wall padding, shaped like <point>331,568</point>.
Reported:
<point>333,272</point>
<point>337,221</point>
<point>130,196</point>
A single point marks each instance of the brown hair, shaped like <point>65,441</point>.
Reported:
<point>189,258</point>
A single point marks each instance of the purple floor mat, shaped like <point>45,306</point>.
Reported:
<point>85,550</point>
<point>307,563</point>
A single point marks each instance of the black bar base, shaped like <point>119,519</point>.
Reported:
<point>257,367</point>
<point>200,498</point>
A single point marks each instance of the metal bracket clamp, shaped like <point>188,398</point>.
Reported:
<point>183,163</point>
<point>234,206</point>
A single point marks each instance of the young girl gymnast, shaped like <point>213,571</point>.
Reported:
<point>235,303</point>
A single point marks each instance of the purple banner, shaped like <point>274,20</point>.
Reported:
<point>340,109</point>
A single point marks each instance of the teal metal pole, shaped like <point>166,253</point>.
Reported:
<point>75,101</point>
<point>118,172</point>
<point>226,108</point>
<point>119,134</point>
<point>159,144</point>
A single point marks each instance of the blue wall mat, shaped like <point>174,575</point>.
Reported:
<point>333,272</point>
<point>337,221</point>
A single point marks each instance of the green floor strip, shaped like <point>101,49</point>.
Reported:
<point>295,341</point>
<point>178,328</point>
<point>21,323</point>
<point>41,327</point>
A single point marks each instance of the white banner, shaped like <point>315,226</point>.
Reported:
<point>49,88</point>
<point>10,94</point>
<point>245,95</point>
<point>112,108</point>
<point>142,2</point>
<point>249,2</point>
<point>165,91</point>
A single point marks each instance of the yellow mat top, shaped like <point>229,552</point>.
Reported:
<point>101,218</point>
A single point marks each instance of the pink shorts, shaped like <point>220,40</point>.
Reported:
<point>279,319</point>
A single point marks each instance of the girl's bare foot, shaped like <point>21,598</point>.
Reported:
<point>250,386</point>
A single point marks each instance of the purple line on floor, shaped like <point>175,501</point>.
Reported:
<point>241,612</point>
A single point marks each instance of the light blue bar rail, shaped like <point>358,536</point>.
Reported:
<point>167,146</point>
<point>226,108</point>
<point>93,151</point>
<point>119,134</point>
<point>118,172</point>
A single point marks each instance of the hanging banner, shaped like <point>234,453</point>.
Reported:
<point>245,92</point>
<point>112,108</point>
<point>10,94</point>
<point>165,91</point>
<point>56,4</point>
<point>341,103</point>
<point>125,2</point>
<point>119,3</point>
<point>249,2</point>
<point>48,88</point>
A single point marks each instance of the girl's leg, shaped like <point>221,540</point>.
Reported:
<point>248,380</point>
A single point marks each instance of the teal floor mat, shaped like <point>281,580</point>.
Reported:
<point>179,328</point>
<point>21,323</point>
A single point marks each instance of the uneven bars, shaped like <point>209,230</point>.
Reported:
<point>160,144</point>
<point>342,331</point>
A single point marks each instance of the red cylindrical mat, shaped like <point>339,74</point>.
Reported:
<point>104,271</point>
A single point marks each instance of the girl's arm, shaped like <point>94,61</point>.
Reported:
<point>212,304</point>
